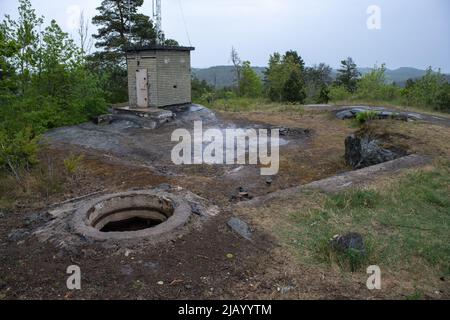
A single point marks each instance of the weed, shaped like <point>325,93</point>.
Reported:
<point>72,163</point>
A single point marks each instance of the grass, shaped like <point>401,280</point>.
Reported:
<point>51,176</point>
<point>406,225</point>
<point>252,105</point>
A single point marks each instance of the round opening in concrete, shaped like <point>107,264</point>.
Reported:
<point>131,215</point>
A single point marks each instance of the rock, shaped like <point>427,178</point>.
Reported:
<point>196,209</point>
<point>2,215</point>
<point>285,290</point>
<point>344,115</point>
<point>243,194</point>
<point>415,116</point>
<point>104,119</point>
<point>32,219</point>
<point>240,227</point>
<point>382,114</point>
<point>242,190</point>
<point>126,270</point>
<point>18,235</point>
<point>349,242</point>
<point>362,152</point>
<point>151,265</point>
<point>269,181</point>
<point>165,187</point>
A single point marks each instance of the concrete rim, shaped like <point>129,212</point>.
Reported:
<point>181,214</point>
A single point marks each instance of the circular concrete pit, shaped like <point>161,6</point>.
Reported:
<point>131,215</point>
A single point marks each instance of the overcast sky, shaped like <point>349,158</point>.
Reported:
<point>413,33</point>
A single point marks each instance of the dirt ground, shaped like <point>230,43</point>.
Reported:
<point>211,263</point>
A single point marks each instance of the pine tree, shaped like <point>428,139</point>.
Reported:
<point>348,75</point>
<point>294,89</point>
<point>115,28</point>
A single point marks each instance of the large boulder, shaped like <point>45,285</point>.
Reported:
<point>365,151</point>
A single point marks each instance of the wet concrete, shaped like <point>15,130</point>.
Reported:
<point>153,147</point>
<point>128,141</point>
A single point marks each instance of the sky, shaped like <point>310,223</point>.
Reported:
<point>400,33</point>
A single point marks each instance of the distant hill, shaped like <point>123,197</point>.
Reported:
<point>223,76</point>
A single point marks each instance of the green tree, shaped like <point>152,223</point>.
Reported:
<point>250,84</point>
<point>373,86</point>
<point>44,84</point>
<point>273,79</point>
<point>431,91</point>
<point>200,89</point>
<point>293,90</point>
<point>348,75</point>
<point>24,36</point>
<point>120,25</point>
<point>317,80</point>
<point>284,75</point>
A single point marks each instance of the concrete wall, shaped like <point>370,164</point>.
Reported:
<point>169,74</point>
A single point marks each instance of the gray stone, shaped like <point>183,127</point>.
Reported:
<point>126,270</point>
<point>18,235</point>
<point>104,119</point>
<point>362,152</point>
<point>165,187</point>
<point>414,116</point>
<point>151,265</point>
<point>344,115</point>
<point>382,114</point>
<point>240,227</point>
<point>285,290</point>
<point>351,241</point>
<point>2,215</point>
<point>36,218</point>
<point>196,209</point>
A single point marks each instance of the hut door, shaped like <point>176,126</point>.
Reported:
<point>142,88</point>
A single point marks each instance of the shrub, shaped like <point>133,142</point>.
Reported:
<point>432,91</point>
<point>72,163</point>
<point>339,93</point>
<point>17,150</point>
<point>366,116</point>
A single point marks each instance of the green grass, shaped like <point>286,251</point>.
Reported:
<point>406,225</point>
<point>251,105</point>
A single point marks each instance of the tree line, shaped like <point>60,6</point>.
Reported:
<point>288,80</point>
<point>48,79</point>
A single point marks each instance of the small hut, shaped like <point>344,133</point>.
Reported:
<point>159,76</point>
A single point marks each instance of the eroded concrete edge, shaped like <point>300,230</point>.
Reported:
<point>346,180</point>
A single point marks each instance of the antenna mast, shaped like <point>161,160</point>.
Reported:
<point>158,20</point>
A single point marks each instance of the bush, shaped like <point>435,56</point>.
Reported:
<point>339,93</point>
<point>17,150</point>
<point>46,87</point>
<point>72,163</point>
<point>373,87</point>
<point>366,116</point>
<point>432,91</point>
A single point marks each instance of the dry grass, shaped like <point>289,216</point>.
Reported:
<point>415,137</point>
